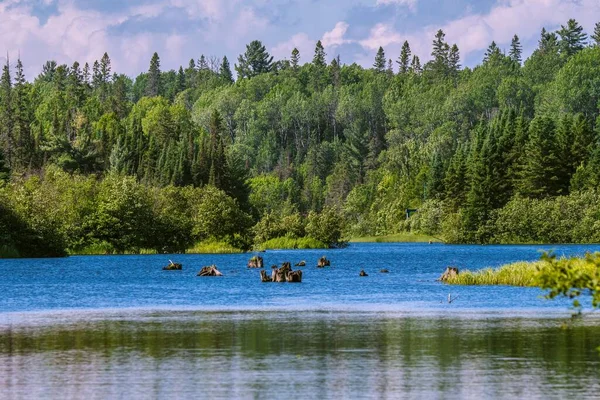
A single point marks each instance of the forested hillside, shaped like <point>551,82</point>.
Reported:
<point>309,148</point>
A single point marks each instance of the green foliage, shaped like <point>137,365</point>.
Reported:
<point>326,227</point>
<point>286,242</point>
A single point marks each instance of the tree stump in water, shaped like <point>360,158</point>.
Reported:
<point>385,271</point>
<point>363,273</point>
<point>294,276</point>
<point>323,262</point>
<point>283,274</point>
<point>173,267</point>
<point>256,262</point>
<point>264,277</point>
<point>301,264</point>
<point>450,273</point>
<point>209,271</point>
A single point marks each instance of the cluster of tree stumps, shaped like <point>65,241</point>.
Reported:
<point>283,274</point>
<point>209,271</point>
<point>256,262</point>
<point>323,262</point>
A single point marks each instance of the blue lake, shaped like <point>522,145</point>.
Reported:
<point>120,327</point>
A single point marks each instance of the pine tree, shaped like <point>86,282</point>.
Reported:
<point>86,74</point>
<point>440,53</point>
<point>583,141</point>
<point>390,68</point>
<point>596,36</point>
<point>225,71</point>
<point>454,60</point>
<point>180,80</point>
<point>319,57</point>
<point>455,181</point>
<point>492,54</point>
<point>540,169</point>
<point>190,74</point>
<point>548,41</point>
<point>23,138</point>
<point>153,85</point>
<point>415,66</point>
<point>405,58</point>
<point>295,59</point>
<point>105,75</point>
<point>6,115</point>
<point>202,63</point>
<point>218,162</point>
<point>335,71</point>
<point>379,65</point>
<point>255,61</point>
<point>96,76</point>
<point>516,50</point>
<point>572,38</point>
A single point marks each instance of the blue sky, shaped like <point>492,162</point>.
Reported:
<point>130,31</point>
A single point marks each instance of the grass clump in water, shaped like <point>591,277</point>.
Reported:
<point>528,274</point>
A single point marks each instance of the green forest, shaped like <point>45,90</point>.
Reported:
<point>304,152</point>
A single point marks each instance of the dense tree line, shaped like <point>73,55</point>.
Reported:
<point>288,142</point>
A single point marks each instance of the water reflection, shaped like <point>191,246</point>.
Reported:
<point>292,355</point>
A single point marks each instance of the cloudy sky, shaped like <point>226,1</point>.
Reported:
<point>131,30</point>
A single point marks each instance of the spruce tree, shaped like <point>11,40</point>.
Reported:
<point>516,50</point>
<point>217,154</point>
<point>415,66</point>
<point>86,74</point>
<point>541,166</point>
<point>23,138</point>
<point>153,84</point>
<point>596,35</point>
<point>255,61</point>
<point>6,114</point>
<point>202,63</point>
<point>583,141</point>
<point>390,68</point>
<point>319,57</point>
<point>180,80</point>
<point>225,71</point>
<point>295,59</point>
<point>335,71</point>
<point>492,53</point>
<point>405,58</point>
<point>455,180</point>
<point>572,38</point>
<point>440,53</point>
<point>379,65</point>
<point>454,60</point>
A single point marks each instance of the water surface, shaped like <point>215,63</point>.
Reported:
<point>120,327</point>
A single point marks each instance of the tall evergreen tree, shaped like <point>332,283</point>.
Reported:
<point>218,162</point>
<point>572,38</point>
<point>379,65</point>
<point>405,58</point>
<point>596,35</point>
<point>319,57</point>
<point>153,85</point>
<point>6,115</point>
<point>22,126</point>
<point>295,59</point>
<point>390,68</point>
<point>516,50</point>
<point>202,63</point>
<point>440,53</point>
<point>415,65</point>
<point>180,80</point>
<point>492,53</point>
<point>225,71</point>
<point>454,60</point>
<point>540,172</point>
<point>255,61</point>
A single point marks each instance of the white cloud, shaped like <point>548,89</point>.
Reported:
<point>475,32</point>
<point>411,4</point>
<point>301,41</point>
<point>335,37</point>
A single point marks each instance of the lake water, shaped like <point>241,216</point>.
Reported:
<point>120,327</point>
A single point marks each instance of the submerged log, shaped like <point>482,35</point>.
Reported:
<point>173,267</point>
<point>363,273</point>
<point>450,273</point>
<point>323,262</point>
<point>209,271</point>
<point>385,271</point>
<point>301,264</point>
<point>264,277</point>
<point>256,262</point>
